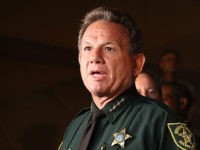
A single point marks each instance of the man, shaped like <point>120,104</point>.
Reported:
<point>170,70</point>
<point>169,65</point>
<point>177,96</point>
<point>109,52</point>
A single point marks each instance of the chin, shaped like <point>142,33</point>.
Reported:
<point>97,91</point>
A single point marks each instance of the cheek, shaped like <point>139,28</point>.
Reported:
<point>83,69</point>
<point>170,103</point>
<point>155,95</point>
<point>124,67</point>
<point>119,71</point>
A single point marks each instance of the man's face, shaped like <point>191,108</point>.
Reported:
<point>106,65</point>
<point>146,86</point>
<point>169,63</point>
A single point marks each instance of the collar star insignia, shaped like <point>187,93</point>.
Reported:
<point>120,138</point>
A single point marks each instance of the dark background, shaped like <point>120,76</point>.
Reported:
<point>41,89</point>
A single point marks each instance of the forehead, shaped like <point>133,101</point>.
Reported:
<point>169,55</point>
<point>144,77</point>
<point>108,30</point>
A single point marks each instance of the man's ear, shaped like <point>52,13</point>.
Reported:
<point>139,63</point>
<point>183,102</point>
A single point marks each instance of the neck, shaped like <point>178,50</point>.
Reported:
<point>102,100</point>
<point>169,76</point>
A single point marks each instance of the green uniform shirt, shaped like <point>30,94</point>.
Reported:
<point>131,122</point>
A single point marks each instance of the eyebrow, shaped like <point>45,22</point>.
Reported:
<point>106,43</point>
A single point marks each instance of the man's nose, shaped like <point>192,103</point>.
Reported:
<point>96,57</point>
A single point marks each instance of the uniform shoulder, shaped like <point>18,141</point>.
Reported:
<point>152,103</point>
<point>157,106</point>
<point>82,113</point>
<point>78,118</point>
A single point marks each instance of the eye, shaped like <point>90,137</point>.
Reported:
<point>109,49</point>
<point>87,48</point>
<point>151,90</point>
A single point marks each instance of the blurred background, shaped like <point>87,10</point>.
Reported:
<point>40,85</point>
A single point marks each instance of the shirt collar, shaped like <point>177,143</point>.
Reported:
<point>114,108</point>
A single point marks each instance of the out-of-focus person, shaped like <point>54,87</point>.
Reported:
<point>169,65</point>
<point>148,84</point>
<point>177,96</point>
<point>170,71</point>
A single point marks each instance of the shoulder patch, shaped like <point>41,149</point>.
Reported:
<point>182,136</point>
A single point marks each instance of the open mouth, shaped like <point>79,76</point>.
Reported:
<point>97,74</point>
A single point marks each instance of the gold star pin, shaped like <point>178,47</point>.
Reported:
<point>120,138</point>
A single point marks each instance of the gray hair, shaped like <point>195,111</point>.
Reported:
<point>115,16</point>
